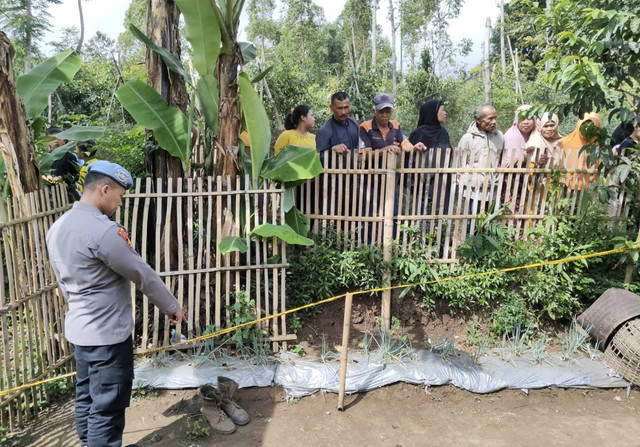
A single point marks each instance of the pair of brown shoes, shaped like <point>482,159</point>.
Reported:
<point>219,408</point>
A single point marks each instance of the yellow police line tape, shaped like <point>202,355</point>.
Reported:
<point>337,297</point>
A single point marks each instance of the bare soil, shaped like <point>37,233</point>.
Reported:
<point>396,415</point>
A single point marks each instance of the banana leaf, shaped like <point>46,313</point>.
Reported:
<point>82,133</point>
<point>209,96</point>
<point>150,110</point>
<point>284,232</point>
<point>170,59</point>
<point>232,243</point>
<point>35,86</point>
<point>292,164</point>
<point>257,124</point>
<point>202,30</point>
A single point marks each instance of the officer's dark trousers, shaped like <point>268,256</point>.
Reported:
<point>103,390</point>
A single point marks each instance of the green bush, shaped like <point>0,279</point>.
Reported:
<point>325,269</point>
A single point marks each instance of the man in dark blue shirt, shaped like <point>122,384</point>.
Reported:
<point>339,133</point>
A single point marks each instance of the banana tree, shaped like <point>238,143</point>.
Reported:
<point>211,30</point>
<point>20,126</point>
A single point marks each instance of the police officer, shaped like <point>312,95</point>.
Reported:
<point>94,262</point>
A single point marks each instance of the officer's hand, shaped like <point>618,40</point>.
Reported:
<point>178,317</point>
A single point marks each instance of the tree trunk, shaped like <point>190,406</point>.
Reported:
<point>229,119</point>
<point>162,28</point>
<point>503,58</point>
<point>374,36</point>
<point>81,40</point>
<point>28,37</point>
<point>487,65</point>
<point>16,136</point>
<point>393,47</point>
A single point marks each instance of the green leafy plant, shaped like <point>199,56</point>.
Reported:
<point>298,350</point>
<point>243,310</point>
<point>195,430</point>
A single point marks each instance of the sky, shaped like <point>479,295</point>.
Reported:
<point>108,17</point>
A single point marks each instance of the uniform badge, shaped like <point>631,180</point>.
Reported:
<point>124,235</point>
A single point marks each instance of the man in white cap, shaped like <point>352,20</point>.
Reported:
<point>95,262</point>
<point>381,133</point>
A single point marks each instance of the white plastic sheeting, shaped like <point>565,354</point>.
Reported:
<point>301,377</point>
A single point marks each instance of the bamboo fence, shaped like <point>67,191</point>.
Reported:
<point>387,199</point>
<point>31,307</point>
<point>177,224</point>
<point>439,192</point>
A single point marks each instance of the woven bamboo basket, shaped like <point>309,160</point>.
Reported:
<point>623,352</point>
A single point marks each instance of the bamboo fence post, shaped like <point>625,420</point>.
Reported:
<point>390,187</point>
<point>346,328</point>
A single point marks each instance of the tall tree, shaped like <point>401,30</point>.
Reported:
<point>374,35</point>
<point>26,22</point>
<point>394,29</point>
<point>81,40</point>
<point>162,28</point>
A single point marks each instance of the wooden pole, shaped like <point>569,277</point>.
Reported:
<point>387,241</point>
<point>487,66</point>
<point>346,327</point>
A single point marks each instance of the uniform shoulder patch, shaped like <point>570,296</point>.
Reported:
<point>124,235</point>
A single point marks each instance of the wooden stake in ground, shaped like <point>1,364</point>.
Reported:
<point>345,349</point>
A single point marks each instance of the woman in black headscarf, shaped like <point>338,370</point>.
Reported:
<point>431,133</point>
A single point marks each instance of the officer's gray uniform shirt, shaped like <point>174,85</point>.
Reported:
<point>94,264</point>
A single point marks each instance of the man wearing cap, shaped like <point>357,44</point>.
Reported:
<point>382,133</point>
<point>94,262</point>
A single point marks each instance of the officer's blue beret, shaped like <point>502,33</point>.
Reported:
<point>116,172</point>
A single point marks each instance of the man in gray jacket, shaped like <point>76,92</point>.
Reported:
<point>95,262</point>
<point>481,147</point>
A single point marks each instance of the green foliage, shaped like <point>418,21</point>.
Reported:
<point>26,23</point>
<point>150,110</point>
<point>202,30</point>
<point>593,52</point>
<point>284,232</point>
<point>196,431</point>
<point>293,163</point>
<point>523,297</point>
<point>243,310</point>
<point>257,125</point>
<point>171,60</point>
<point>35,86</point>
<point>232,243</point>
<point>125,147</point>
<point>326,268</point>
<point>298,350</point>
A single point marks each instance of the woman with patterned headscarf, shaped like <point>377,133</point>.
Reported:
<point>546,139</point>
<point>516,147</point>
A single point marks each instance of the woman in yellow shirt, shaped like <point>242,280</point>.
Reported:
<point>298,124</point>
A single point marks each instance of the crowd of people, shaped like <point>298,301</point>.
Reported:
<point>531,141</point>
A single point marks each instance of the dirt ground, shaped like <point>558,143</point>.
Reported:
<point>397,415</point>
